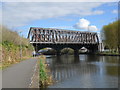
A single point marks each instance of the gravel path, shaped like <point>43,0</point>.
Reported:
<point>19,75</point>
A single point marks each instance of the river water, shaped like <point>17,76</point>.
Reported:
<point>84,71</point>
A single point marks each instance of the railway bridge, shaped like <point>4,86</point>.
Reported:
<point>59,39</point>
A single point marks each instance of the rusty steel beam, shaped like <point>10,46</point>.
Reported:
<point>44,35</point>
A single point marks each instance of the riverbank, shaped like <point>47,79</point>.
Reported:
<point>45,79</point>
<point>102,54</point>
<point>108,53</point>
<point>12,53</point>
<point>13,48</point>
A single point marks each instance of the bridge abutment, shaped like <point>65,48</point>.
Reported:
<point>36,47</point>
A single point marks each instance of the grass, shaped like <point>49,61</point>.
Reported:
<point>43,74</point>
<point>110,53</point>
<point>45,79</point>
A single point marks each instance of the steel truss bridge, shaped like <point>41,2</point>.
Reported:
<point>59,39</point>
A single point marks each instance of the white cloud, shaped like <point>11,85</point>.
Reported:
<point>19,14</point>
<point>85,25</point>
<point>93,28</point>
<point>82,24</point>
<point>115,11</point>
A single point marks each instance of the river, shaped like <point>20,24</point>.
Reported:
<point>84,71</point>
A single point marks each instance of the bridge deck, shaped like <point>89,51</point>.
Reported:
<point>63,43</point>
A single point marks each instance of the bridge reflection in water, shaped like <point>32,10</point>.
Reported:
<point>65,69</point>
<point>64,73</point>
<point>85,72</point>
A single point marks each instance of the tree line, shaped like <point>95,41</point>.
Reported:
<point>111,34</point>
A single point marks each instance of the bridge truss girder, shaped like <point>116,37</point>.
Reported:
<point>48,35</point>
<point>59,39</point>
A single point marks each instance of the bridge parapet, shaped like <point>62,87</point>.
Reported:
<point>60,36</point>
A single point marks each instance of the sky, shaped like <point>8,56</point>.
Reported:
<point>80,16</point>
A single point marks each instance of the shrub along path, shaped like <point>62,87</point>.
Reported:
<point>19,75</point>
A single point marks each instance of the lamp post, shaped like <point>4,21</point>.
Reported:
<point>20,46</point>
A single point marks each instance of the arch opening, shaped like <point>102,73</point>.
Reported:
<point>47,51</point>
<point>67,50</point>
<point>83,50</point>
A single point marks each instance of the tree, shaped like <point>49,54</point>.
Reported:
<point>111,33</point>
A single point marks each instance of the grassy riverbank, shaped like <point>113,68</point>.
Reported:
<point>12,49</point>
<point>108,53</point>
<point>45,78</point>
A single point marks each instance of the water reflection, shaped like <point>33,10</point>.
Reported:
<point>84,71</point>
